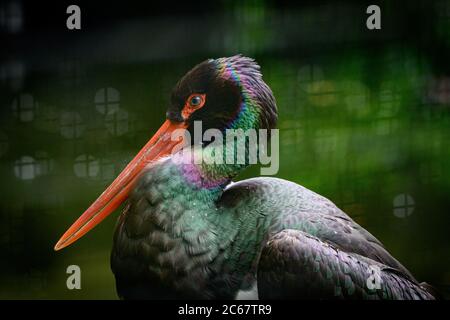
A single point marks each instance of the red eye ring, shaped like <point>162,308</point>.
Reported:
<point>193,103</point>
<point>196,100</point>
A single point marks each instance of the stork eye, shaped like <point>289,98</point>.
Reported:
<point>192,104</point>
<point>196,100</point>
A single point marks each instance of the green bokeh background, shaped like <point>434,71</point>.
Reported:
<point>364,120</point>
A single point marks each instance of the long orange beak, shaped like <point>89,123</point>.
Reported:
<point>160,145</point>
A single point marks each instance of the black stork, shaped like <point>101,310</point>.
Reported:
<point>188,231</point>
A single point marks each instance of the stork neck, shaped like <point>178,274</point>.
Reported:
<point>231,151</point>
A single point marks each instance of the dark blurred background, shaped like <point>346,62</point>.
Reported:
<point>364,118</point>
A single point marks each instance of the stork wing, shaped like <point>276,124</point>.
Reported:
<point>296,265</point>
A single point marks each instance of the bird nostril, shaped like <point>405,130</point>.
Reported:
<point>174,116</point>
